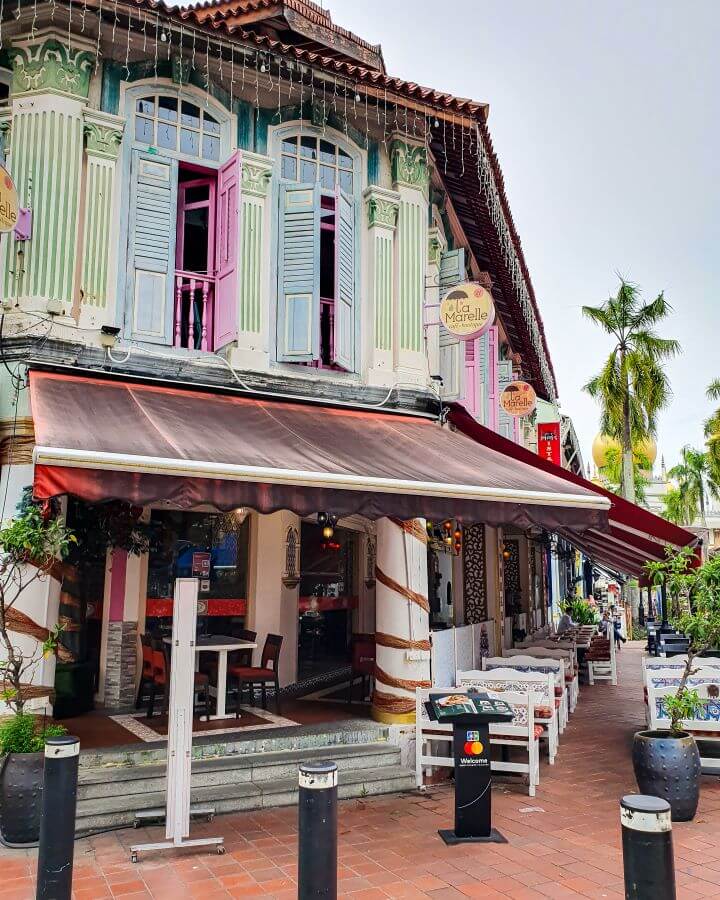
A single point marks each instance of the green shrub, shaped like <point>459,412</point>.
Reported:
<point>580,611</point>
<point>25,733</point>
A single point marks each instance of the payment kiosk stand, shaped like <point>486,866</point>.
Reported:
<point>470,716</point>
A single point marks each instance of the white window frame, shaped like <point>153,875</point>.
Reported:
<point>131,92</point>
<point>276,134</point>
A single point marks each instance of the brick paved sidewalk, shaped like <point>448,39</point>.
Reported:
<point>565,842</point>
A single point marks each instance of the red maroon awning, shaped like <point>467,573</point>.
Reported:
<point>635,536</point>
<point>102,439</point>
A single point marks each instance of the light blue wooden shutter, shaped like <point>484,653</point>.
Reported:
<point>506,423</point>
<point>452,350</point>
<point>298,328</point>
<point>344,281</point>
<point>151,248</point>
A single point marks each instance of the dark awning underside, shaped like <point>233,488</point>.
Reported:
<point>103,439</point>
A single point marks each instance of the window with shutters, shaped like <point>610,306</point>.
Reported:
<point>181,278</point>
<point>317,251</point>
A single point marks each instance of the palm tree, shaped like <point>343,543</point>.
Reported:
<point>611,473</point>
<point>632,386</point>
<point>712,431</point>
<point>677,508</point>
<point>694,481</point>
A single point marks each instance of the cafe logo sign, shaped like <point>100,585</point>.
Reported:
<point>8,202</point>
<point>518,399</point>
<point>467,310</point>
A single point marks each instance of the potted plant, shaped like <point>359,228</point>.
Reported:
<point>667,761</point>
<point>32,545</point>
<point>580,611</point>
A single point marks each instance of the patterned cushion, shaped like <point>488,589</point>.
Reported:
<point>558,691</point>
<point>538,732</point>
<point>543,712</point>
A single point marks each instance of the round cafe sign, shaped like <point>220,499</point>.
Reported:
<point>8,202</point>
<point>467,310</point>
<point>518,399</point>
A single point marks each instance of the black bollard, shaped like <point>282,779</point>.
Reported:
<point>317,831</point>
<point>647,848</point>
<point>57,827</point>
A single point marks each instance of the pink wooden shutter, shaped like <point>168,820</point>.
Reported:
<point>227,225</point>
<point>472,349</point>
<point>492,386</point>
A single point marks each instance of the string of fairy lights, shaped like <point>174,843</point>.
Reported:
<point>254,73</point>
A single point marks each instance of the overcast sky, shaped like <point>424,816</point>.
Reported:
<point>605,117</point>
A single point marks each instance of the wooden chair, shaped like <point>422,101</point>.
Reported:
<point>264,674</point>
<point>161,681</point>
<point>146,675</point>
<point>362,663</point>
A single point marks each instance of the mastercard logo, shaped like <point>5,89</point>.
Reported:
<point>473,748</point>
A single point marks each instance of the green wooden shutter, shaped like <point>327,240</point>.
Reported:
<point>151,248</point>
<point>452,350</point>
<point>298,322</point>
<point>344,342</point>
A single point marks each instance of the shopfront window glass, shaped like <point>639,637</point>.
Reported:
<point>210,547</point>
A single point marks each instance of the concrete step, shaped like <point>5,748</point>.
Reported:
<point>351,733</point>
<point>108,811</point>
<point>121,781</point>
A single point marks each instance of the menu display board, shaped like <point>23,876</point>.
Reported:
<point>448,706</point>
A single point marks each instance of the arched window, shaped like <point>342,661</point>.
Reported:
<point>179,125</point>
<point>309,159</point>
<point>319,197</point>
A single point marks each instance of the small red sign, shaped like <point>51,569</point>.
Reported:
<point>549,442</point>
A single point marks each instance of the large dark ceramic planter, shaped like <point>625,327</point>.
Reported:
<point>668,766</point>
<point>21,782</point>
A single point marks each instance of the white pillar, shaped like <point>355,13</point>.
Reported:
<point>272,604</point>
<point>402,619</point>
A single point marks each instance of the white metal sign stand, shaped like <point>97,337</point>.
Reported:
<point>179,749</point>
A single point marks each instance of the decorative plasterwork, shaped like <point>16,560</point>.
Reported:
<point>409,165</point>
<point>102,141</point>
<point>382,207</point>
<point>435,247</point>
<point>255,177</point>
<point>382,212</point>
<point>6,130</point>
<point>51,66</point>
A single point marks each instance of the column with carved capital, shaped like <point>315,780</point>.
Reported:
<point>49,90</point>
<point>411,179</point>
<point>402,619</point>
<point>103,134</point>
<point>379,314</point>
<point>252,349</point>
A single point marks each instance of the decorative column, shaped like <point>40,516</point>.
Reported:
<point>402,619</point>
<point>435,248</point>
<point>49,92</point>
<point>123,609</point>
<point>410,179</point>
<point>103,134</point>
<point>382,215</point>
<point>254,255</point>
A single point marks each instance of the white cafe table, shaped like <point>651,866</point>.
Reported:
<point>222,645</point>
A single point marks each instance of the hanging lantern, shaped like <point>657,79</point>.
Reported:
<point>328,532</point>
<point>457,534</point>
<point>506,553</point>
<point>322,518</point>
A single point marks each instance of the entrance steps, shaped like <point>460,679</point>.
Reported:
<point>116,787</point>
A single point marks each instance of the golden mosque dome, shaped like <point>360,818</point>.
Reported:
<point>603,443</point>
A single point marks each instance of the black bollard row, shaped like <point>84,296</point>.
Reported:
<point>57,827</point>
<point>647,848</point>
<point>317,831</point>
